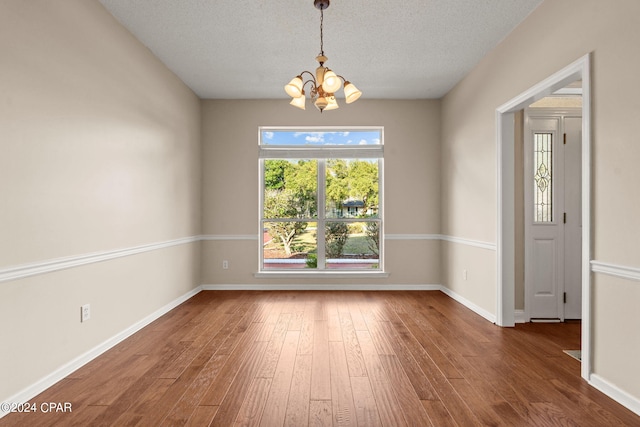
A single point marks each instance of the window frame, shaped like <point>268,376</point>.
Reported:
<point>321,153</point>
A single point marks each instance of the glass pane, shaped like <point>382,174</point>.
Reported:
<point>289,245</point>
<point>352,245</point>
<point>290,188</point>
<point>302,138</point>
<point>543,191</point>
<point>352,188</point>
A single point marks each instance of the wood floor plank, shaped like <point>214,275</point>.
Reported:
<point>320,371</point>
<point>305,344</point>
<point>438,413</point>
<point>253,406</point>
<point>298,404</point>
<point>274,347</point>
<point>276,407</point>
<point>356,315</point>
<point>424,338</point>
<point>237,391</point>
<point>189,401</point>
<point>365,402</point>
<point>247,349</point>
<point>386,401</point>
<point>212,336</point>
<point>334,331</point>
<point>202,416</point>
<point>342,406</point>
<point>412,408</point>
<point>299,358</point>
<point>148,395</point>
<point>481,404</point>
<point>320,413</point>
<point>351,346</point>
<point>400,339</point>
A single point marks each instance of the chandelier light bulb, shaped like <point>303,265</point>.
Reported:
<point>331,83</point>
<point>332,104</point>
<point>294,87</point>
<point>351,92</point>
<point>299,102</point>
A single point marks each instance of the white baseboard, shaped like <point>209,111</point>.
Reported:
<point>321,287</point>
<point>41,385</point>
<point>622,397</point>
<point>471,306</point>
<point>519,316</point>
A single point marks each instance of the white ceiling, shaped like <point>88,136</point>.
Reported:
<point>250,49</point>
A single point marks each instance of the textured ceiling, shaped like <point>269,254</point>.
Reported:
<point>251,48</point>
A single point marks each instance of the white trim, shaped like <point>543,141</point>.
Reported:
<point>469,242</point>
<point>44,383</point>
<point>324,274</point>
<point>622,397</point>
<point>444,238</point>
<point>412,237</point>
<point>505,312</point>
<point>519,316</point>
<point>625,272</point>
<point>322,287</point>
<point>470,305</point>
<point>51,265</point>
<point>206,237</point>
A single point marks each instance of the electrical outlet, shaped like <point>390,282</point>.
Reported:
<point>85,313</point>
<point>225,264</point>
<point>464,274</point>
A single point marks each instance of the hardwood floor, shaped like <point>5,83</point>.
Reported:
<point>332,358</point>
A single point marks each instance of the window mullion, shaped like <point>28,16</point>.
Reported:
<point>321,214</point>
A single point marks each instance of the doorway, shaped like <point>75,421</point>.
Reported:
<point>505,246</point>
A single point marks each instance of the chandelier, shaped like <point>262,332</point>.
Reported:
<point>325,83</point>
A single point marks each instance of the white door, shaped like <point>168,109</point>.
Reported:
<point>544,247</point>
<point>552,200</point>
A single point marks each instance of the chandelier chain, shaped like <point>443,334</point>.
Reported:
<point>321,38</point>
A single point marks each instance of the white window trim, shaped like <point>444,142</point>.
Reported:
<point>320,152</point>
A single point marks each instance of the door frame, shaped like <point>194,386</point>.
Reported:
<point>505,246</point>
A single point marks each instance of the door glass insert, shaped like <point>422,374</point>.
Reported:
<point>543,178</point>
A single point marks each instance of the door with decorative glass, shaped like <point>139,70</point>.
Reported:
<point>552,217</point>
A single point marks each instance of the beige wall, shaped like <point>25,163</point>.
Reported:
<point>411,175</point>
<point>553,36</point>
<point>99,151</point>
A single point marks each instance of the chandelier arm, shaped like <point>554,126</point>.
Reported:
<point>313,92</point>
<point>311,74</point>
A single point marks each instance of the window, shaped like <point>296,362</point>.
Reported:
<point>321,199</point>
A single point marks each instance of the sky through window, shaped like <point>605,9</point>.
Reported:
<point>301,138</point>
